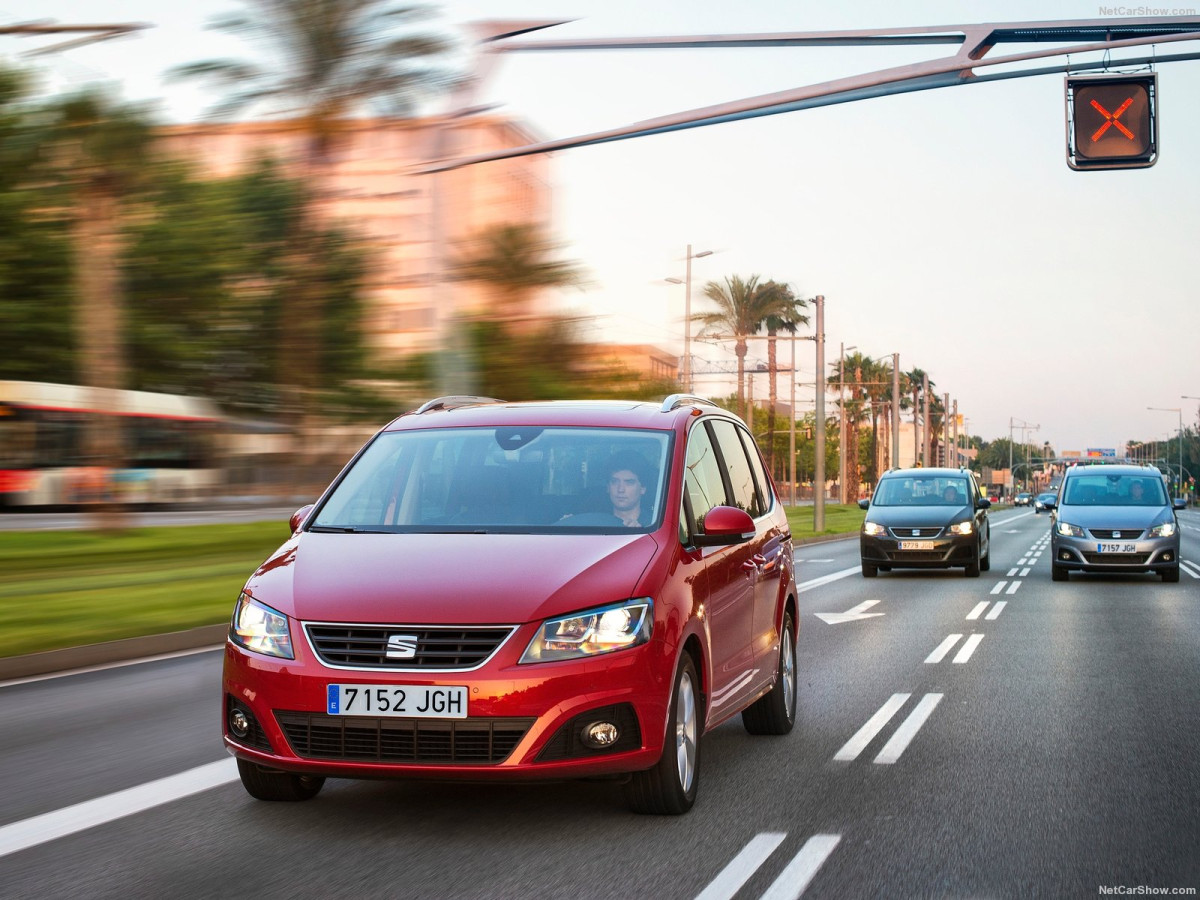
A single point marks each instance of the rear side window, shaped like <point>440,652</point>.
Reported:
<point>741,476</point>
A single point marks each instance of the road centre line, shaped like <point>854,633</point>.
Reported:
<point>968,648</point>
<point>908,729</point>
<point>1188,567</point>
<point>998,587</point>
<point>730,879</point>
<point>853,747</point>
<point>943,648</point>
<point>82,816</point>
<point>1000,604</point>
<point>793,880</point>
<point>978,610</point>
<point>1025,572</point>
<point>1013,571</point>
<point>1012,588</point>
<point>825,579</point>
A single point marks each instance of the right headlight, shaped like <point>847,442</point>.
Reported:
<point>1163,529</point>
<point>592,632</point>
<point>259,628</point>
<point>1066,529</point>
<point>874,529</point>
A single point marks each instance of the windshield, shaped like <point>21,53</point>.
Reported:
<point>926,490</point>
<point>1115,490</point>
<point>513,478</point>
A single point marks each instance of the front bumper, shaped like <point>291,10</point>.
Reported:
<point>944,552</point>
<point>1083,554</point>
<point>523,722</point>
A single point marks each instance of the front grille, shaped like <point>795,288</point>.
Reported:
<point>901,556</point>
<point>422,741</point>
<point>436,648</point>
<point>903,533</point>
<point>1117,559</point>
<point>1116,534</point>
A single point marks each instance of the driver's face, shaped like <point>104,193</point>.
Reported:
<point>625,489</point>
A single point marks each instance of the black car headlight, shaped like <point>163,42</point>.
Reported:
<point>873,529</point>
<point>967,527</point>
<point>592,632</point>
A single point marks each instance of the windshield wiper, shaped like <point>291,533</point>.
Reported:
<point>344,529</point>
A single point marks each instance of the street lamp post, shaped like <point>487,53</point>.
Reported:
<point>1024,426</point>
<point>842,421</point>
<point>687,315</point>
<point>1179,411</point>
<point>819,462</point>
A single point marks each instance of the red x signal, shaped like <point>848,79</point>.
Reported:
<point>1111,119</point>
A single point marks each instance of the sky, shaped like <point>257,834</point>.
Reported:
<point>943,225</point>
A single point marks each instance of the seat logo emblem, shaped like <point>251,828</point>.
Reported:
<point>916,532</point>
<point>1116,534</point>
<point>402,646</point>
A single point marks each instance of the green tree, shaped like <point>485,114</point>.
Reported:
<point>916,388</point>
<point>516,261</point>
<point>787,317</point>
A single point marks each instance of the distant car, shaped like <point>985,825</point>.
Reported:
<point>521,591</point>
<point>1114,519</point>
<point>925,519</point>
<point>1044,501</point>
<point>1022,499</point>
<point>994,498</point>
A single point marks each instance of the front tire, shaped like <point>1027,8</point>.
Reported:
<point>869,571</point>
<point>669,788</point>
<point>266,784</point>
<point>1058,573</point>
<point>775,712</point>
<point>1171,576</point>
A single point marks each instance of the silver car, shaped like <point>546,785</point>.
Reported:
<point>1114,519</point>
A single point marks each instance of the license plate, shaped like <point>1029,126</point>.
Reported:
<point>1116,548</point>
<point>916,545</point>
<point>403,701</point>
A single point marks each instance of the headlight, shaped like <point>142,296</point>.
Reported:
<point>1166,529</point>
<point>874,529</point>
<point>595,631</point>
<point>962,527</point>
<point>259,628</point>
<point>1066,529</point>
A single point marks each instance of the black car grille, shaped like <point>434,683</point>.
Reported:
<point>1116,534</point>
<point>901,556</point>
<point>928,531</point>
<point>385,740</point>
<point>366,646</point>
<point>1117,559</point>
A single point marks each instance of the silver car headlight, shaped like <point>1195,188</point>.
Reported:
<point>590,633</point>
<point>1164,529</point>
<point>259,628</point>
<point>1066,529</point>
<point>966,527</point>
<point>873,529</point>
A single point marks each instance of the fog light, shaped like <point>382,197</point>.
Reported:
<point>1064,554</point>
<point>599,735</point>
<point>238,723</point>
<point>1168,556</point>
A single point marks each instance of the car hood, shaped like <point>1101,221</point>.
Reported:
<point>449,578</point>
<point>916,516</point>
<point>1130,517</point>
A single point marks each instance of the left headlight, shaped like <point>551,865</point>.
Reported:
<point>259,628</point>
<point>1164,529</point>
<point>592,632</point>
<point>966,527</point>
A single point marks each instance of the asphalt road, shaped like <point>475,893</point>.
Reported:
<point>1003,736</point>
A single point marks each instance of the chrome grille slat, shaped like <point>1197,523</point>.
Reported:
<point>1110,534</point>
<point>437,648</point>
<point>907,532</point>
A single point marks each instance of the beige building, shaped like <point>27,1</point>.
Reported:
<point>372,183</point>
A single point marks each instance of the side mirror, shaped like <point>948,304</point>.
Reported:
<point>983,503</point>
<point>1180,503</point>
<point>864,504</point>
<point>299,516</point>
<point>725,526</point>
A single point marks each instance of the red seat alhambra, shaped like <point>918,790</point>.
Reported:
<point>496,590</point>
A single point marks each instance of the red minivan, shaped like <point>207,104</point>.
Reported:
<point>521,591</point>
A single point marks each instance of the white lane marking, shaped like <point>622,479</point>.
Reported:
<point>1025,572</point>
<point>1000,604</point>
<point>1012,588</point>
<point>805,559</point>
<point>1013,571</point>
<point>968,648</point>
<point>908,729</point>
<point>69,820</point>
<point>864,735</point>
<point>998,587</point>
<point>825,579</point>
<point>943,648</point>
<point>742,866</point>
<point>1188,567</point>
<point>1024,560</point>
<point>851,615</point>
<point>978,610</point>
<point>793,880</point>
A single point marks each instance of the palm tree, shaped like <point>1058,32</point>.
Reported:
<point>337,59</point>
<point>916,381</point>
<point>742,306</point>
<point>515,261</point>
<point>787,318</point>
<point>849,382</point>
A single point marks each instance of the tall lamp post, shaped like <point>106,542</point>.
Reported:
<point>1179,411</point>
<point>842,421</point>
<point>687,315</point>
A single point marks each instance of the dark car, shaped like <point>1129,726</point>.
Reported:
<point>521,591</point>
<point>1045,501</point>
<point>1022,499</point>
<point>925,519</point>
<point>1114,518</point>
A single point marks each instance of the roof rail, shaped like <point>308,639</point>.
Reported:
<point>677,400</point>
<point>454,401</point>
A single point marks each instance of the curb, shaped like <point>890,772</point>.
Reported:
<point>51,661</point>
<point>826,538</point>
